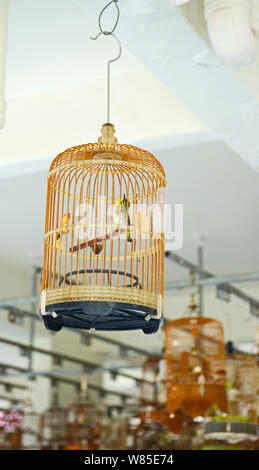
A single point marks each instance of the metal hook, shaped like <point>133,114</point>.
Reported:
<point>116,21</point>
<point>109,61</point>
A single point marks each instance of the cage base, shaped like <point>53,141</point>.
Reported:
<point>101,316</point>
<point>231,430</point>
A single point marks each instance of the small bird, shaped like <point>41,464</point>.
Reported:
<point>120,214</point>
<point>64,223</point>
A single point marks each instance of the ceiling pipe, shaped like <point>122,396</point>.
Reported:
<point>3,47</point>
<point>233,28</point>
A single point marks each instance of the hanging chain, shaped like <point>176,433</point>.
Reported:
<point>192,307</point>
<point>109,33</point>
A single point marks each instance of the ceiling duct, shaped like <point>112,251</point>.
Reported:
<point>233,29</point>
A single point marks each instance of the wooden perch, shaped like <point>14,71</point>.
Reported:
<point>95,241</point>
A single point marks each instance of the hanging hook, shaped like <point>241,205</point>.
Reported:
<point>109,33</point>
<point>100,17</point>
<point>109,71</point>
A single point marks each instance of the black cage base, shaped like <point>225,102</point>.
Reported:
<point>231,428</point>
<point>101,316</point>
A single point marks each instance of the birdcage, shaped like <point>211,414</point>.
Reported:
<point>257,363</point>
<point>115,429</point>
<point>195,365</point>
<point>52,428</point>
<point>83,426</point>
<point>237,426</point>
<point>30,436</point>
<point>153,409</point>
<point>153,435</point>
<point>103,263</point>
<point>153,392</point>
<point>242,385</point>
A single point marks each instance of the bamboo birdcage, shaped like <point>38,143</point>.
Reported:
<point>239,425</point>
<point>153,382</point>
<point>52,426</point>
<point>153,409</point>
<point>52,429</point>
<point>103,262</point>
<point>195,365</point>
<point>83,426</point>
<point>242,385</point>
<point>30,437</point>
<point>84,422</point>
<point>152,391</point>
<point>31,425</point>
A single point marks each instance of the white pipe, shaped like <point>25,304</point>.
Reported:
<point>233,28</point>
<point>3,46</point>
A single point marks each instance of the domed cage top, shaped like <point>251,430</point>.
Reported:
<point>242,387</point>
<point>104,243</point>
<point>195,365</point>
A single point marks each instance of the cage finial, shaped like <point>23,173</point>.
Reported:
<point>108,137</point>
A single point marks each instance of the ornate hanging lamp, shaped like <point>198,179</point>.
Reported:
<point>195,363</point>
<point>103,265</point>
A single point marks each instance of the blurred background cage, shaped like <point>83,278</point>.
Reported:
<point>30,437</point>
<point>116,433</point>
<point>84,426</point>
<point>195,365</point>
<point>31,426</point>
<point>104,243</point>
<point>153,390</point>
<point>52,427</point>
<point>153,434</point>
<point>239,425</point>
<point>242,386</point>
<point>153,409</point>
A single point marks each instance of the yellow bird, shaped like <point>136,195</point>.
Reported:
<point>121,217</point>
<point>120,214</point>
<point>64,229</point>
